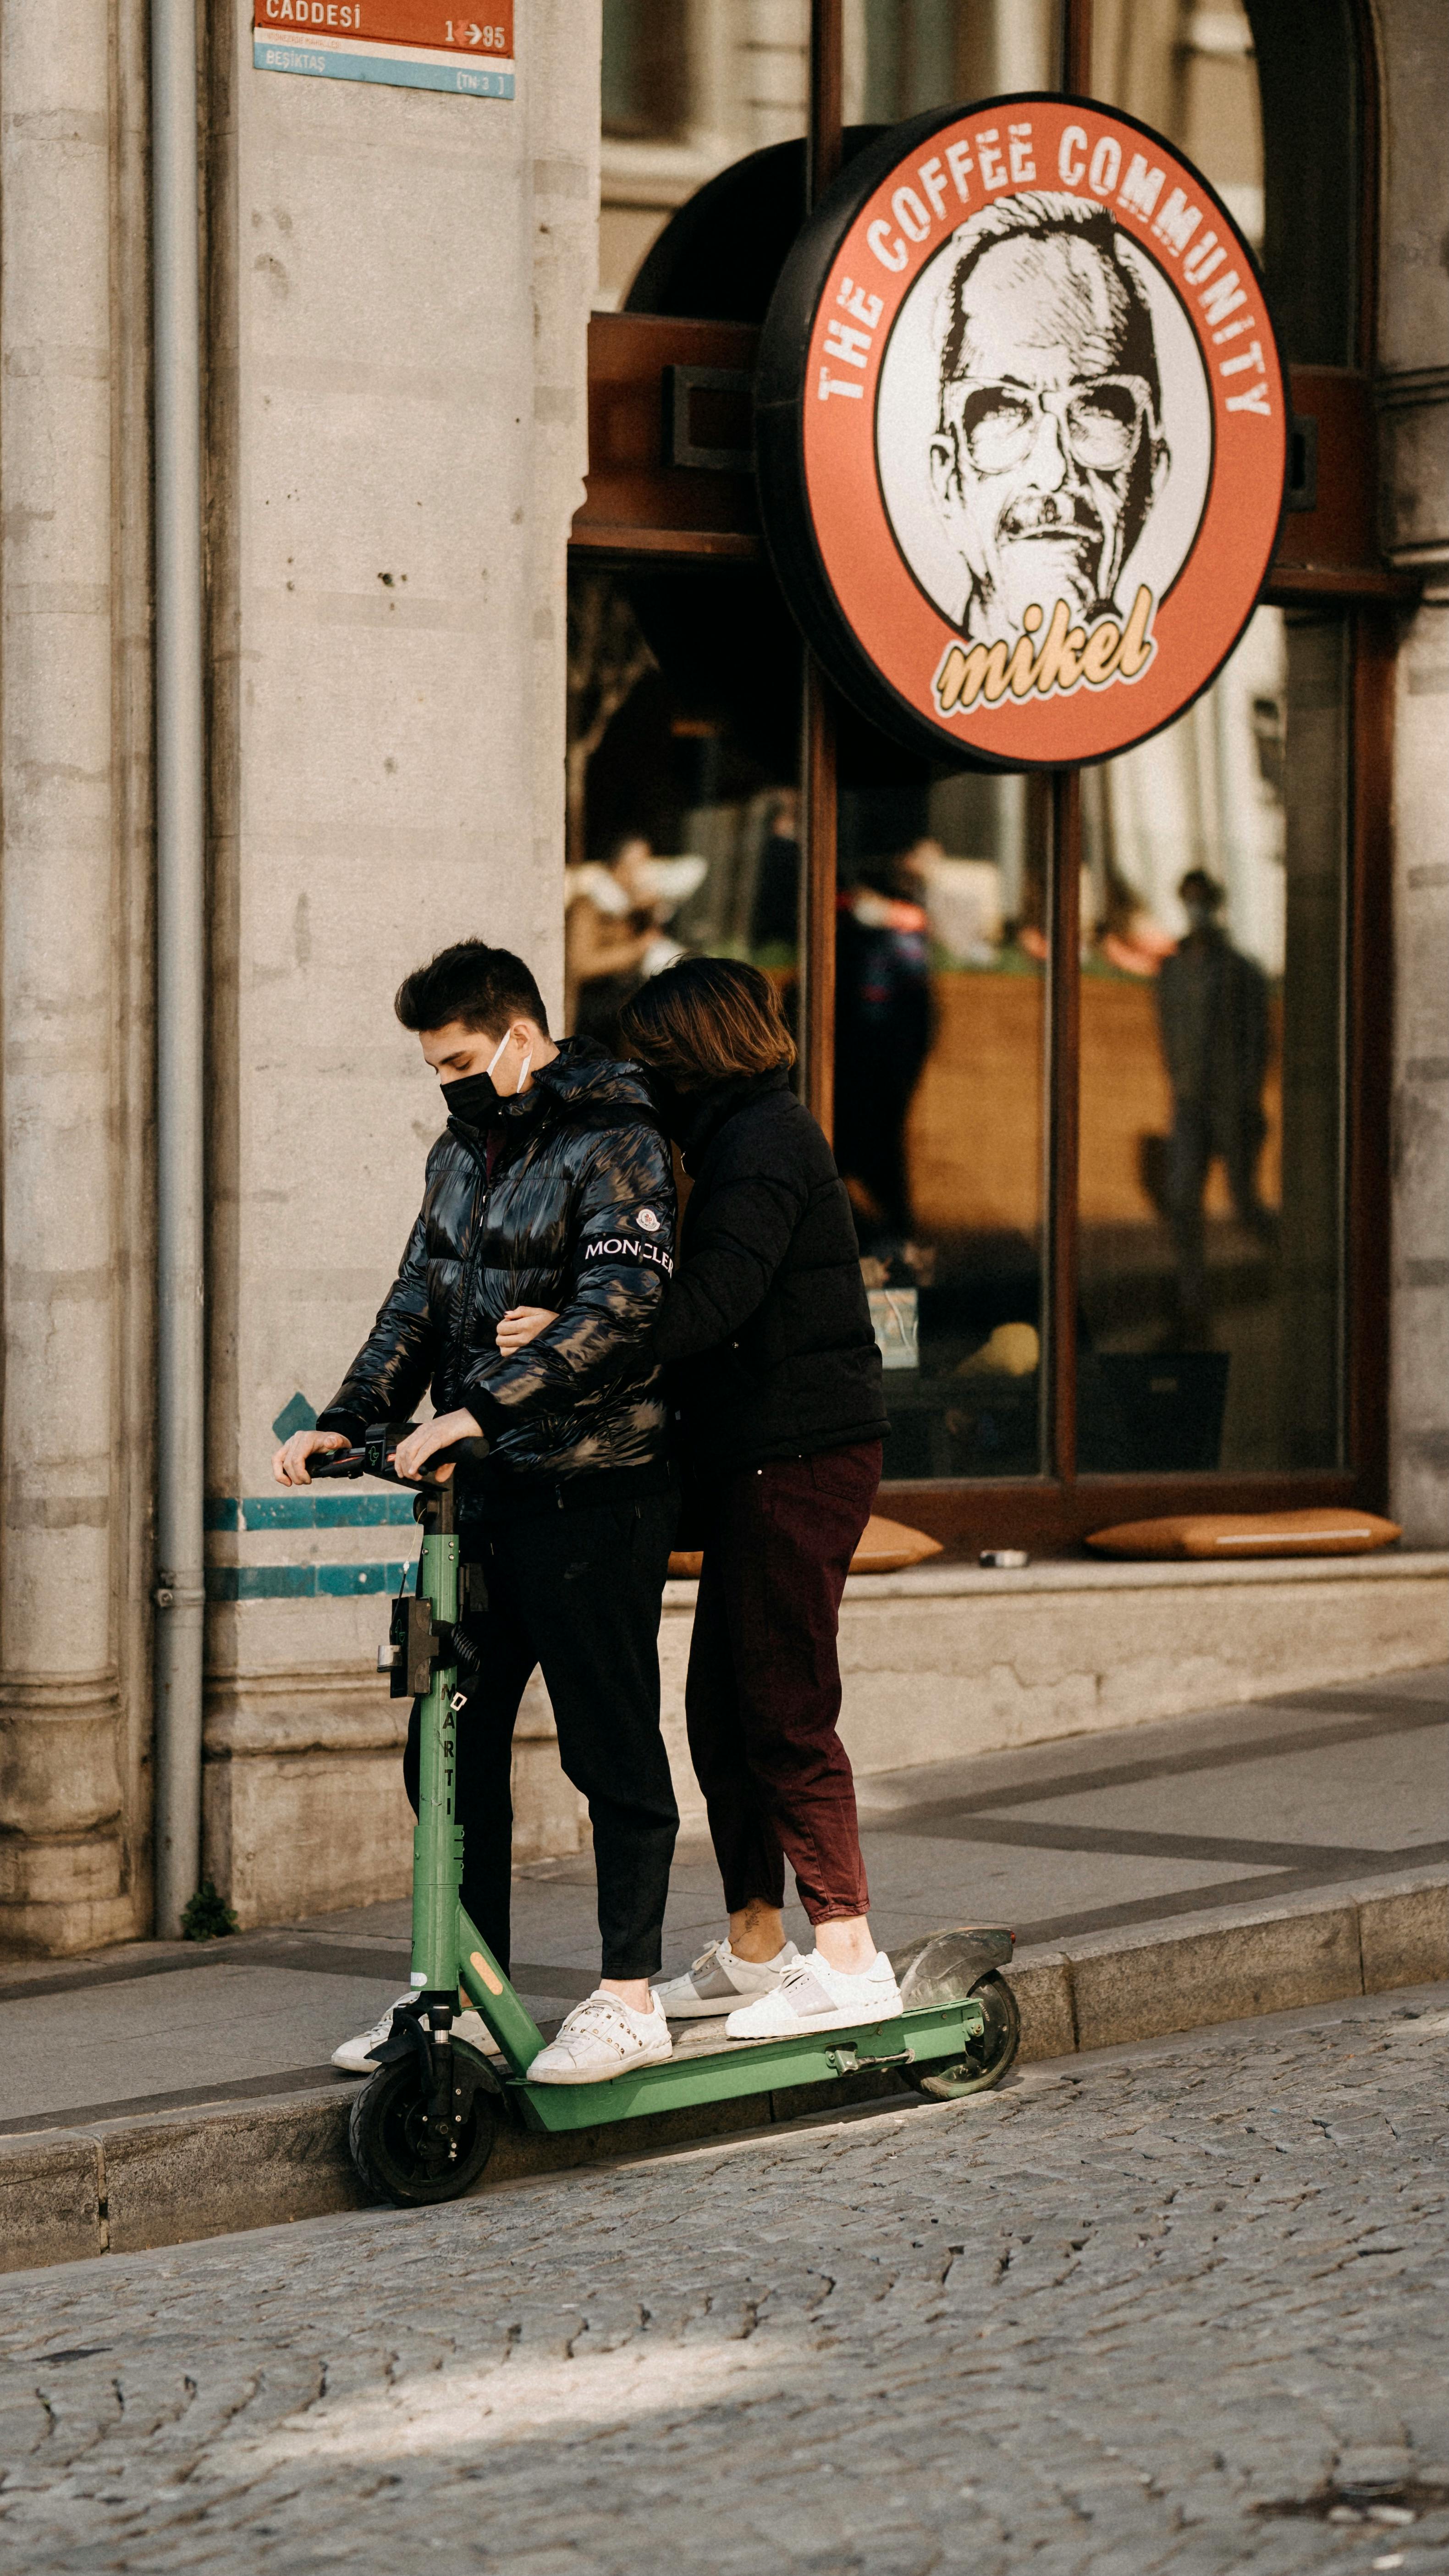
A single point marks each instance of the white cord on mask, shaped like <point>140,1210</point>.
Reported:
<point>523,1070</point>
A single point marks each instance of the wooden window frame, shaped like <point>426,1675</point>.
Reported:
<point>641,507</point>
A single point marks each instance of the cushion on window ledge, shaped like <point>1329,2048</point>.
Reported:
<point>885,1546</point>
<point>1233,1534</point>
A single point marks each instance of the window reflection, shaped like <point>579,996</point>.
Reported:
<point>689,86</point>
<point>1189,72</point>
<point>940,983</point>
<point>904,56</point>
<point>1210,1071</point>
<point>683,810</point>
<point>1215,79</point>
<point>683,749</point>
<point>644,84</point>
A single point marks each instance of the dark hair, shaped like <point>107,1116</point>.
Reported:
<point>483,987</point>
<point>617,843</point>
<point>706,1018</point>
<point>1207,889</point>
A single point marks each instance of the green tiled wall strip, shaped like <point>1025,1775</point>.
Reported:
<point>309,1511</point>
<point>301,1582</point>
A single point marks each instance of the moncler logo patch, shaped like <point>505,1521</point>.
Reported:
<point>649,1221</point>
<point>629,1247</point>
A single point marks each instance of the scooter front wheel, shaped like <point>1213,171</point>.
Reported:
<point>991,2056</point>
<point>405,2156</point>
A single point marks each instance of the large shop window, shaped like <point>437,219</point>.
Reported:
<point>1102,1050</point>
<point>1211,1072</point>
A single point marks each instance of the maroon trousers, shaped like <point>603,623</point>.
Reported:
<point>763,1693</point>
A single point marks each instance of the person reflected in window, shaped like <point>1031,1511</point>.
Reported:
<point>612,935</point>
<point>775,912</point>
<point>1212,1012</point>
<point>883,1028</point>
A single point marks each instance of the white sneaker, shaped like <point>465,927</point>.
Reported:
<point>718,1981</point>
<point>355,2056</point>
<point>603,2037</point>
<point>812,1995</point>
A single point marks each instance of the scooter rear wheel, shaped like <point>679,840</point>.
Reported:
<point>404,2157</point>
<point>988,2058</point>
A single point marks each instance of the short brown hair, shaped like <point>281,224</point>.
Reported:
<point>706,1018</point>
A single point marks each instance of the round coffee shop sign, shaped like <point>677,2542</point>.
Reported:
<point>1021,431</point>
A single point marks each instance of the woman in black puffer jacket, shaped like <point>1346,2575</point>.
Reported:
<point>774,1380</point>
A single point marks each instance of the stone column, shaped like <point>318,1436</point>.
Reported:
<point>1413,393</point>
<point>73,1624</point>
<point>399,299</point>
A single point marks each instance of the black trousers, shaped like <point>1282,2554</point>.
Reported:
<point>578,1592</point>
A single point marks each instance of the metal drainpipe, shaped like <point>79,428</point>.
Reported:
<point>180,958</point>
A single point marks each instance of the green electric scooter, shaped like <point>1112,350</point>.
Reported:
<point>423,2127</point>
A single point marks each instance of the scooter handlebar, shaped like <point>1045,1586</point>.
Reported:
<point>375,1454</point>
<point>336,1462</point>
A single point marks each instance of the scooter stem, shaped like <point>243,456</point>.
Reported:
<point>437,1838</point>
<point>447,1946</point>
<point>448,1949</point>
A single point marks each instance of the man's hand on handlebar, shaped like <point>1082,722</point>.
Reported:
<point>290,1463</point>
<point>522,1325</point>
<point>412,1455</point>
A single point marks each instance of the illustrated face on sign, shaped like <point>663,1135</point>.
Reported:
<point>1048,454</point>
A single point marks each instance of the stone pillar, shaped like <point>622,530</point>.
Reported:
<point>73,770</point>
<point>399,295</point>
<point>1413,392</point>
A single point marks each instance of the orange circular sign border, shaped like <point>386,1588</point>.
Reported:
<point>1028,143</point>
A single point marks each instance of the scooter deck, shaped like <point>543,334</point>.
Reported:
<point>707,2067</point>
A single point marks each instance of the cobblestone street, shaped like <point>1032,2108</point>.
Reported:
<point>1105,2320</point>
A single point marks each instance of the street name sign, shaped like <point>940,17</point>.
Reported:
<point>406,44</point>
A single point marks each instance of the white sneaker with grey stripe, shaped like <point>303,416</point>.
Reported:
<point>811,1995</point>
<point>601,2038</point>
<point>718,1982</point>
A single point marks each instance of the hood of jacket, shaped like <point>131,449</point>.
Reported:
<point>581,1086</point>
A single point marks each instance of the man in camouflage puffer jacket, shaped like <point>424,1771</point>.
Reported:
<point>551,1185</point>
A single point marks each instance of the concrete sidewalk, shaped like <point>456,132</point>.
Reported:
<point>1089,1841</point>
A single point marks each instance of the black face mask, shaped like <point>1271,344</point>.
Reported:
<point>473,1098</point>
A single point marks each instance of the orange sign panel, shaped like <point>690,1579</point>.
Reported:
<point>1022,432</point>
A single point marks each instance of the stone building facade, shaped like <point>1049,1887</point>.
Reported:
<point>397,290</point>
